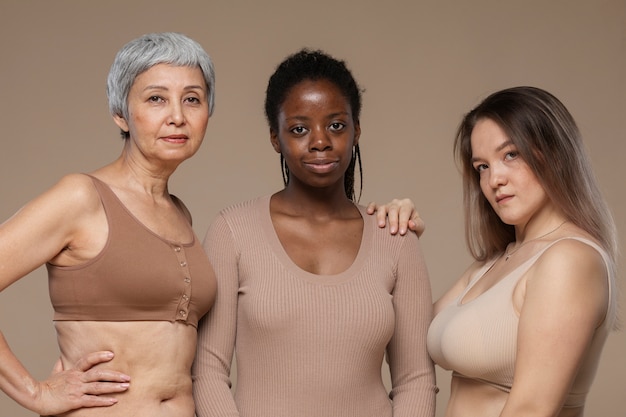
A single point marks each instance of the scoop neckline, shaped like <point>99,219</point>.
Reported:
<point>280,252</point>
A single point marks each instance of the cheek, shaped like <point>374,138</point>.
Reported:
<point>483,184</point>
<point>138,121</point>
<point>201,124</point>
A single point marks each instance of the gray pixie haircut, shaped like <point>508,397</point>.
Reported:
<point>149,50</point>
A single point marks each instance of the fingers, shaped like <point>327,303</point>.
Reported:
<point>417,225</point>
<point>102,388</point>
<point>92,359</point>
<point>73,389</point>
<point>89,401</point>
<point>394,218</point>
<point>400,214</point>
<point>371,208</point>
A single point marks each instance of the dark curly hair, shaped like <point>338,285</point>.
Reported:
<point>314,65</point>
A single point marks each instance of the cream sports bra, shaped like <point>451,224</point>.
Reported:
<point>477,339</point>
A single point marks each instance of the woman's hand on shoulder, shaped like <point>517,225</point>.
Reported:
<point>401,215</point>
<point>82,386</point>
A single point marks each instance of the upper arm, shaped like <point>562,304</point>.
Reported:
<point>566,297</point>
<point>42,228</point>
<point>217,335</point>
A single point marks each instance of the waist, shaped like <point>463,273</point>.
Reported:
<point>135,404</point>
<point>480,391</point>
<point>157,355</point>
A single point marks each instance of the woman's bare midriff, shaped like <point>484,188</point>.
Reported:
<point>157,355</point>
<point>472,398</point>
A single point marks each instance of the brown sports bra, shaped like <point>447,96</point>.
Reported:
<point>137,276</point>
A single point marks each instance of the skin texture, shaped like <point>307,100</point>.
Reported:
<point>67,226</point>
<point>168,116</point>
<point>318,225</point>
<point>568,274</point>
<point>321,231</point>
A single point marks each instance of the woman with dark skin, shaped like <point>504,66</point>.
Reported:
<point>312,294</point>
<point>115,320</point>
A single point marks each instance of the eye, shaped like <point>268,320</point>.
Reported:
<point>155,99</point>
<point>299,130</point>
<point>480,167</point>
<point>511,155</point>
<point>337,126</point>
<point>193,100</point>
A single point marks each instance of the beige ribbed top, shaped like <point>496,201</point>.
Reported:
<point>310,345</point>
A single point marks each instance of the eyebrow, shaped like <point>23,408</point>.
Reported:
<point>162,87</point>
<point>498,149</point>
<point>330,116</point>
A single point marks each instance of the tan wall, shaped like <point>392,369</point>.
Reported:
<point>422,63</point>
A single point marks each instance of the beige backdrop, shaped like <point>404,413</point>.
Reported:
<point>422,63</point>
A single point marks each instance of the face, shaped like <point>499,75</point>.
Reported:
<point>316,134</point>
<point>168,113</point>
<point>506,180</point>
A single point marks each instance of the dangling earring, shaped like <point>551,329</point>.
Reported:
<point>284,169</point>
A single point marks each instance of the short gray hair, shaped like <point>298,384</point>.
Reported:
<point>151,49</point>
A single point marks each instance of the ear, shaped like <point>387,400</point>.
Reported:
<point>121,122</point>
<point>274,140</point>
<point>357,132</point>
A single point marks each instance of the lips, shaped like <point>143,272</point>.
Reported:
<point>503,198</point>
<point>321,165</point>
<point>175,138</point>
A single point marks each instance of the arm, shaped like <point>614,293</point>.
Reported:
<point>566,297</point>
<point>401,214</point>
<point>218,329</point>
<point>412,371</point>
<point>42,230</point>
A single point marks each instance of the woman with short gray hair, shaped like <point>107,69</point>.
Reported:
<point>128,277</point>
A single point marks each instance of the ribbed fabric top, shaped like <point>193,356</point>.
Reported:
<point>477,339</point>
<point>310,345</point>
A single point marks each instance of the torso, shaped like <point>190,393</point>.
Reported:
<point>311,336</point>
<point>472,398</point>
<point>156,355</point>
<point>484,312</point>
<point>151,343</point>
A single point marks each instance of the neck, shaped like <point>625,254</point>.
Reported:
<point>511,249</point>
<point>139,177</point>
<point>314,202</point>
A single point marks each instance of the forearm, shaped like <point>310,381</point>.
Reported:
<point>211,369</point>
<point>15,381</point>
<point>213,397</point>
<point>530,407</point>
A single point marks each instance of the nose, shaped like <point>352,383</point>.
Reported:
<point>497,176</point>
<point>319,140</point>
<point>177,115</point>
